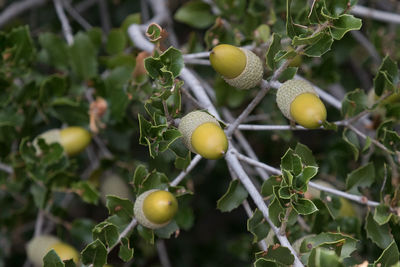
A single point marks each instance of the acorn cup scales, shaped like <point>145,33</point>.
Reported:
<point>203,135</point>
<point>239,67</point>
<point>299,102</point>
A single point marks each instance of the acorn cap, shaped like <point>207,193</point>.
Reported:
<point>252,73</point>
<point>288,91</point>
<point>38,247</point>
<point>189,124</point>
<point>139,214</point>
<point>50,137</point>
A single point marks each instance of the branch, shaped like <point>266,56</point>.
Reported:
<point>104,15</point>
<point>182,175</point>
<point>162,253</point>
<point>359,199</point>
<point>366,12</point>
<point>75,14</point>
<point>6,168</point>
<point>64,21</point>
<point>17,8</point>
<point>124,233</point>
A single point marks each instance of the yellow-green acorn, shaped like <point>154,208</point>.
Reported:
<point>40,245</point>
<point>155,208</point>
<point>73,139</point>
<point>299,102</point>
<point>239,67</point>
<point>203,135</point>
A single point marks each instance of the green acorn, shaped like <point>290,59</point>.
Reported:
<point>239,67</point>
<point>155,208</point>
<point>299,102</point>
<point>73,139</point>
<point>203,135</point>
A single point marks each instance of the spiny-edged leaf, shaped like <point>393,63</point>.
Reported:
<point>125,251</point>
<point>95,253</point>
<point>283,54</point>
<point>23,50</point>
<point>261,262</point>
<point>389,256</point>
<point>305,176</point>
<point>352,140</point>
<point>83,57</point>
<point>196,14</point>
<point>382,214</point>
<point>330,240</point>
<point>86,191</point>
<point>169,136</point>
<point>173,60</point>
<point>181,163</point>
<point>273,49</point>
<point>288,74</point>
<point>333,9</point>
<point>267,188</point>
<point>115,83</point>
<point>138,177</point>
<point>278,254</point>
<point>390,139</point>
<point>304,206</point>
<point>116,41</point>
<point>155,180</point>
<point>291,162</point>
<point>291,29</point>
<point>276,212</point>
<point>323,257</point>
<point>121,207</point>
<point>258,226</point>
<point>106,232</point>
<point>285,192</point>
<point>387,76</point>
<point>344,24</point>
<point>379,234</point>
<point>234,196</point>
<point>287,177</point>
<point>146,233</point>
<point>307,39</point>
<point>166,231</point>
<point>354,102</point>
<point>320,46</point>
<point>52,260</point>
<point>55,48</point>
<point>362,177</point>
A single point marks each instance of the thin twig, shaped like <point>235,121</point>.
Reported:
<point>6,168</point>
<point>366,12</point>
<point>104,15</point>
<point>76,16</point>
<point>82,6</point>
<point>64,21</point>
<point>163,253</point>
<point>183,173</point>
<point>17,8</point>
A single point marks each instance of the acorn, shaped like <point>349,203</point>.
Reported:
<point>299,102</point>
<point>73,139</point>
<point>203,135</point>
<point>40,245</point>
<point>155,208</point>
<point>239,67</point>
<point>112,184</point>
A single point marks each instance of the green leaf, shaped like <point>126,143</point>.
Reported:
<point>146,233</point>
<point>285,192</point>
<point>106,232</point>
<point>52,260</point>
<point>291,162</point>
<point>116,42</point>
<point>169,137</point>
<point>172,60</point>
<point>10,117</point>
<point>267,188</point>
<point>379,234</point>
<point>139,176</point>
<point>344,24</point>
<point>55,48</point>
<point>39,194</point>
<point>258,226</point>
<point>382,214</point>
<point>361,177</point>
<point>95,253</point>
<point>320,46</point>
<point>307,39</point>
<point>352,140</point>
<point>276,212</point>
<point>304,206</point>
<point>261,262</point>
<point>323,257</point>
<point>86,191</point>
<point>196,14</point>
<point>121,207</point>
<point>83,57</point>
<point>263,33</point>
<point>273,49</point>
<point>125,251</point>
<point>278,254</point>
<point>389,256</point>
<point>234,196</point>
<point>166,231</point>
<point>387,77</point>
<point>22,48</point>
<point>354,102</point>
<point>291,29</point>
<point>155,180</point>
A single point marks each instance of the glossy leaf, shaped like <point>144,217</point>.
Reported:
<point>379,234</point>
<point>258,226</point>
<point>234,196</point>
<point>125,251</point>
<point>95,253</point>
<point>362,177</point>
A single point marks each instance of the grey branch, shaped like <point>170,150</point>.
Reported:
<point>64,21</point>
<point>366,12</point>
<point>17,8</point>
